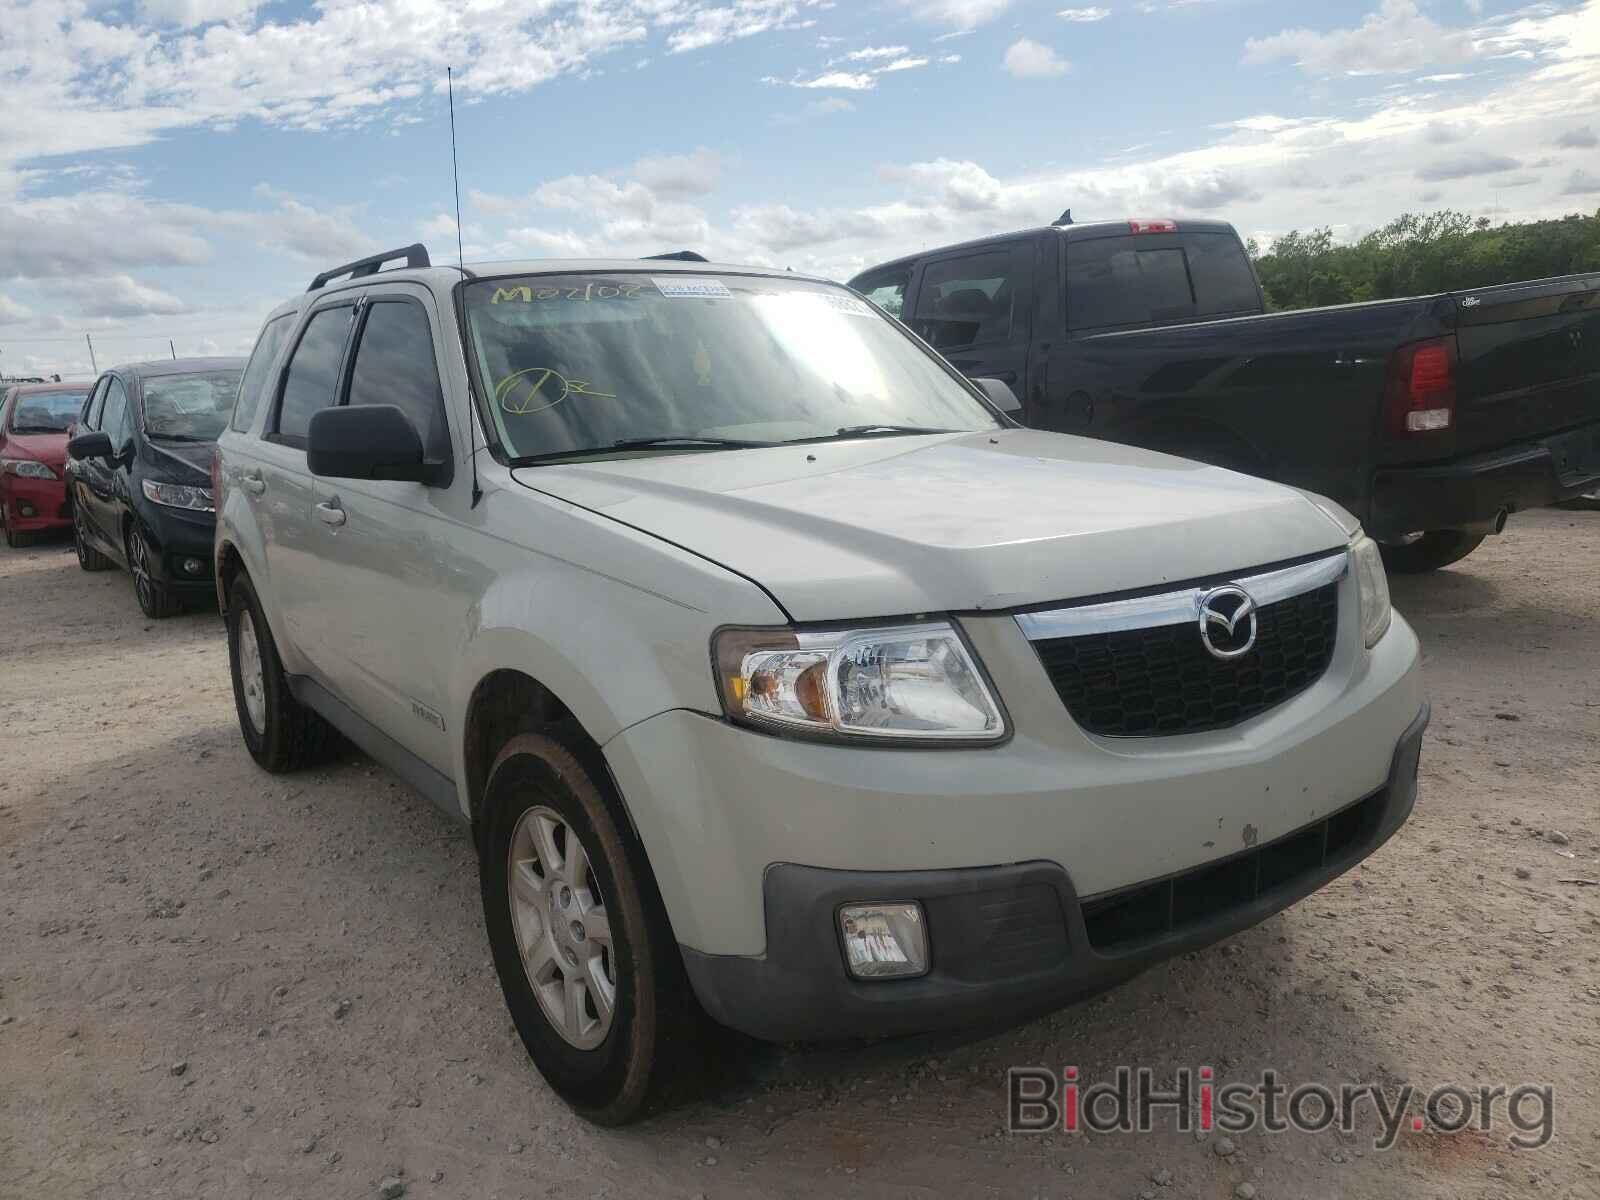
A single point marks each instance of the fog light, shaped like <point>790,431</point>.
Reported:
<point>24,509</point>
<point>193,566</point>
<point>884,941</point>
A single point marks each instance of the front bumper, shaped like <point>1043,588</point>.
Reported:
<point>1472,490</point>
<point>1014,941</point>
<point>181,536</point>
<point>34,504</point>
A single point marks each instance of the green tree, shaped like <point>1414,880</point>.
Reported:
<point>1419,254</point>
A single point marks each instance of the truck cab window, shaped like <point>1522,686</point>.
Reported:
<point>965,301</point>
<point>1126,281</point>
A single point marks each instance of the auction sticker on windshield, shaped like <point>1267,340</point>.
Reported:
<point>690,288</point>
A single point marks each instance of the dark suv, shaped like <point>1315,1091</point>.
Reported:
<point>138,473</point>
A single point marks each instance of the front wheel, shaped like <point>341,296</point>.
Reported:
<point>1422,552</point>
<point>156,599</point>
<point>585,956</point>
<point>14,539</point>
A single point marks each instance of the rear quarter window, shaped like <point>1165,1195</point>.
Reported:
<point>1224,281</point>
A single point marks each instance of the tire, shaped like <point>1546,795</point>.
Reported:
<point>17,541</point>
<point>89,558</point>
<point>610,1068</point>
<point>280,733</point>
<point>1429,552</point>
<point>156,599</point>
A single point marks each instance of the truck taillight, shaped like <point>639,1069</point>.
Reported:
<point>1161,226</point>
<point>1420,396</point>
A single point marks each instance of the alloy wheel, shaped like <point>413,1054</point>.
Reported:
<point>252,679</point>
<point>139,564</point>
<point>563,931</point>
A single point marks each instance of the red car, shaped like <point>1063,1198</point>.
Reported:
<point>34,420</point>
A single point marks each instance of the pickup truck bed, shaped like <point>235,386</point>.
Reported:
<point>1433,414</point>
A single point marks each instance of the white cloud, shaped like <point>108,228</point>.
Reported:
<point>118,296</point>
<point>706,26</point>
<point>1582,138</point>
<point>963,14</point>
<point>188,13</point>
<point>868,53</point>
<point>850,81</point>
<point>1582,183</point>
<point>1084,16</point>
<point>1027,59</point>
<point>92,232</point>
<point>1464,166</point>
<point>909,63</point>
<point>11,312</point>
<point>680,174</point>
<point>1398,37</point>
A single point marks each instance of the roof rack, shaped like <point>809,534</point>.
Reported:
<point>416,255</point>
<point>681,256</point>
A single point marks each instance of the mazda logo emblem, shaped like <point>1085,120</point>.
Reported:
<point>1227,622</point>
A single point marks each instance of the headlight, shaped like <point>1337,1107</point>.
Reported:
<point>909,682</point>
<point>25,468</point>
<point>179,495</point>
<point>1375,609</point>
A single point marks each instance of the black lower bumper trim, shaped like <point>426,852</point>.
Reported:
<point>1471,491</point>
<point>1014,941</point>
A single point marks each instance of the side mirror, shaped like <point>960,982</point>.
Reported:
<point>94,444</point>
<point>368,441</point>
<point>1000,395</point>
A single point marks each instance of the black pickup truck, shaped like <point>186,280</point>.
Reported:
<point>1429,418</point>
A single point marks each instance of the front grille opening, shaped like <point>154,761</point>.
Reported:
<point>1161,681</point>
<point>1142,914</point>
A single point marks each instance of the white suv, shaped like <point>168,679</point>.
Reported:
<point>778,675</point>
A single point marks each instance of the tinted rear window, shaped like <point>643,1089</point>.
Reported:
<point>1145,280</point>
<point>1223,280</point>
<point>309,383</point>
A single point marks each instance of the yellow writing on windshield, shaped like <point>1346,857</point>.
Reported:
<point>539,388</point>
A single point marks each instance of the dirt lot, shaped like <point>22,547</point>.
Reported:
<point>309,949</point>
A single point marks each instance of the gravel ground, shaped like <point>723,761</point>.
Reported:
<point>215,982</point>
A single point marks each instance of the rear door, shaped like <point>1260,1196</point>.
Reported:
<point>77,470</point>
<point>389,582</point>
<point>975,307</point>
<point>285,494</point>
<point>103,479</point>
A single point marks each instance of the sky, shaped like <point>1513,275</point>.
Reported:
<point>171,169</point>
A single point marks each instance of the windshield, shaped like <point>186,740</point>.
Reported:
<point>582,364</point>
<point>189,408</point>
<point>46,412</point>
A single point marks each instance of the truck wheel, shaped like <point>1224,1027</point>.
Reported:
<point>586,958</point>
<point>156,599</point>
<point>280,732</point>
<point>1429,551</point>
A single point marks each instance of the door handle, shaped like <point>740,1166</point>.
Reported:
<point>252,482</point>
<point>329,512</point>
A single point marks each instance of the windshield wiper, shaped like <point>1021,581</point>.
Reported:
<point>878,430</point>
<point>685,440</point>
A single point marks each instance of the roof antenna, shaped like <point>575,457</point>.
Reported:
<point>455,172</point>
<point>455,180</point>
<point>1064,219</point>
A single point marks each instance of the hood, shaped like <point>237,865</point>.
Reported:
<point>182,458</point>
<point>48,448</point>
<point>896,526</point>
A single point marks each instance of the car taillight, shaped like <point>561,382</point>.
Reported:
<point>1161,226</point>
<point>1420,396</point>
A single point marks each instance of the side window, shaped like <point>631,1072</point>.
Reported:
<point>1223,280</point>
<point>1126,281</point>
<point>886,289</point>
<point>394,364</point>
<point>255,371</point>
<point>965,301</point>
<point>97,402</point>
<point>312,377</point>
<point>115,418</point>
